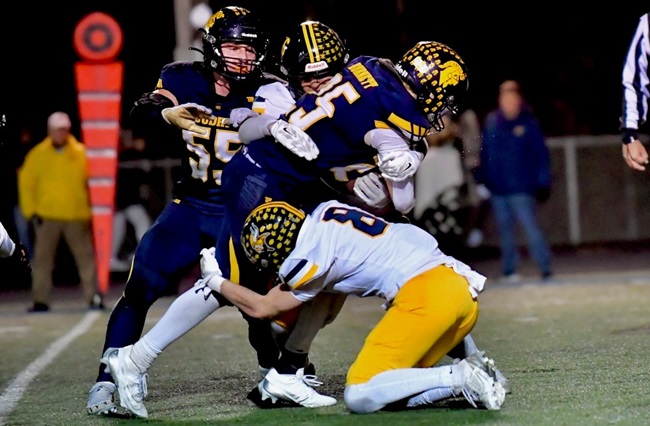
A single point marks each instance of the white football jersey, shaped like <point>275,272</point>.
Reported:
<point>343,249</point>
<point>273,99</point>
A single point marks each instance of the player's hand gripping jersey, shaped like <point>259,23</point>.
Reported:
<point>207,155</point>
<point>366,97</point>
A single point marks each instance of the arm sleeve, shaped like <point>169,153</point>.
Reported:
<point>146,117</point>
<point>255,128</point>
<point>403,194</point>
<point>635,78</point>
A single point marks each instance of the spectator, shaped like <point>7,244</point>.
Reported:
<point>515,168</point>
<point>53,194</point>
<point>635,95</point>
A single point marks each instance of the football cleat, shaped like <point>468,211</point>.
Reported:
<point>293,387</point>
<point>480,386</point>
<point>131,383</point>
<point>101,399</point>
<point>490,368</point>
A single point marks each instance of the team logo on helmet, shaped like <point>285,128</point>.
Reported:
<point>270,232</point>
<point>236,10</point>
<point>437,75</point>
<point>257,240</point>
<point>451,73</point>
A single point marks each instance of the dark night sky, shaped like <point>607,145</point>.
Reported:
<point>575,55</point>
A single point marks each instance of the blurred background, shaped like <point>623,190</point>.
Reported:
<point>568,60</point>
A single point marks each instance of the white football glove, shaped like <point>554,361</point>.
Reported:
<point>371,190</point>
<point>210,272</point>
<point>399,165</point>
<point>184,115</point>
<point>239,115</point>
<point>294,139</point>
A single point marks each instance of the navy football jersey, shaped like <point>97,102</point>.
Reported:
<point>205,156</point>
<point>366,95</point>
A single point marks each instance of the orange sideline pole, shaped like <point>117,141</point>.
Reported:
<point>98,76</point>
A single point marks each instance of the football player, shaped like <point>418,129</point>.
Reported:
<point>431,300</point>
<point>371,108</point>
<point>193,101</point>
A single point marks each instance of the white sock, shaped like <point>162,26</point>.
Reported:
<point>430,396</point>
<point>394,385</point>
<point>185,313</point>
<point>144,353</point>
<point>470,345</point>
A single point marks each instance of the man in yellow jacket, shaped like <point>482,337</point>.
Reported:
<point>53,194</point>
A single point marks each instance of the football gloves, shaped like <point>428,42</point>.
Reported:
<point>184,116</point>
<point>19,256</point>
<point>371,190</point>
<point>294,139</point>
<point>399,165</point>
<point>211,275</point>
<point>239,115</point>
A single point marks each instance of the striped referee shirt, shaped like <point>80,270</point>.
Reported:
<point>635,77</point>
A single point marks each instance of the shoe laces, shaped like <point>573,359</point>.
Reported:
<point>141,386</point>
<point>470,397</point>
<point>309,379</point>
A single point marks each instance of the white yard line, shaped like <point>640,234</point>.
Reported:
<point>18,386</point>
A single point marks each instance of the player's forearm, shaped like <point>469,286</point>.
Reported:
<point>253,304</point>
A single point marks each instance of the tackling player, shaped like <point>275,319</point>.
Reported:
<point>431,299</point>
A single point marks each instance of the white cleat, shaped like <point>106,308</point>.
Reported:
<point>293,387</point>
<point>101,400</point>
<point>131,384</point>
<point>488,366</point>
<point>480,385</point>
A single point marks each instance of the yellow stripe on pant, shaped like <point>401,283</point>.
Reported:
<point>430,315</point>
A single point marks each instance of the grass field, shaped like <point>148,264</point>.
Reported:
<point>576,354</point>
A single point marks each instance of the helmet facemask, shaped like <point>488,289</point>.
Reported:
<point>234,25</point>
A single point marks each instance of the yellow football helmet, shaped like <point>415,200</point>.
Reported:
<point>270,233</point>
<point>438,76</point>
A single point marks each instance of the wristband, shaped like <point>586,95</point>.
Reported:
<point>214,281</point>
<point>629,136</point>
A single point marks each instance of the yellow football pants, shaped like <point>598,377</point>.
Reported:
<point>431,314</point>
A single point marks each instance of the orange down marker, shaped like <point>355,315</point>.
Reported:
<point>98,76</point>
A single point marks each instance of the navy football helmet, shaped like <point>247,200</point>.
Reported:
<point>438,76</point>
<point>233,24</point>
<point>270,233</point>
<point>313,51</point>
